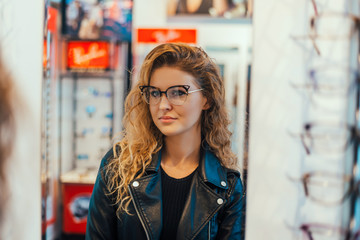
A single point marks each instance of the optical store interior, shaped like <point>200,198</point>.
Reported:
<point>291,74</point>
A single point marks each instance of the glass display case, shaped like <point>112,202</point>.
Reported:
<point>87,119</point>
<point>92,92</point>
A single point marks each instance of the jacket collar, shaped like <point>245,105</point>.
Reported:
<point>210,168</point>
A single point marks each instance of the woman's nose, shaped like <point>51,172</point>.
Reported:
<point>164,102</point>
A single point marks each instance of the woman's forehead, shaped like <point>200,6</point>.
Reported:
<point>165,77</point>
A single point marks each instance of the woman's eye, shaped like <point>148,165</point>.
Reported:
<point>177,93</point>
<point>154,93</point>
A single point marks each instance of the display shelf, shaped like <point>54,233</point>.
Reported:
<point>79,176</point>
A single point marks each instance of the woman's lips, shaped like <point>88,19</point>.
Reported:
<point>167,119</point>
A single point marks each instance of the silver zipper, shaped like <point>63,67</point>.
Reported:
<point>138,214</point>
<point>209,230</point>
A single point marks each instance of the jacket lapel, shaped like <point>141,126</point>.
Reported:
<point>211,170</point>
<point>203,202</point>
<point>148,196</point>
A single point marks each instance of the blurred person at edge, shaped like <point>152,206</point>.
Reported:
<point>17,206</point>
<point>7,134</point>
<point>172,175</point>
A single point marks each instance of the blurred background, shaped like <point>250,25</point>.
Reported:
<point>291,73</point>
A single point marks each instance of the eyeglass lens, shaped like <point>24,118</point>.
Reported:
<point>322,139</point>
<point>332,82</point>
<point>318,232</point>
<point>333,25</point>
<point>176,94</point>
<point>327,189</point>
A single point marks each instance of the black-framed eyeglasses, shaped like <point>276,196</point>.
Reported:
<point>175,94</point>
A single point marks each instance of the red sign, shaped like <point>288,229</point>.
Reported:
<point>165,35</point>
<point>75,199</point>
<point>44,54</point>
<point>88,55</point>
<point>52,17</point>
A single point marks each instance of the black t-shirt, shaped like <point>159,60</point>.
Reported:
<point>174,195</point>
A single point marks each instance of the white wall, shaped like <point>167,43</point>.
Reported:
<point>21,24</point>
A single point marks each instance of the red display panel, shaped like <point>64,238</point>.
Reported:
<point>51,19</point>
<point>162,35</point>
<point>88,56</point>
<point>76,199</point>
<point>44,54</point>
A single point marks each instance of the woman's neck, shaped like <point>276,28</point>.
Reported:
<point>180,156</point>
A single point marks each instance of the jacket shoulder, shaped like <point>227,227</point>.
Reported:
<point>105,161</point>
<point>231,171</point>
<point>109,156</point>
<point>232,174</point>
<point>235,182</point>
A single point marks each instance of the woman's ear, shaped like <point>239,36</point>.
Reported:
<point>206,105</point>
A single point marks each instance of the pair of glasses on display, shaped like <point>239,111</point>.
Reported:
<point>175,94</point>
<point>318,231</point>
<point>93,92</point>
<point>90,110</point>
<point>331,81</point>
<point>328,88</point>
<point>327,139</point>
<point>328,188</point>
<point>330,26</point>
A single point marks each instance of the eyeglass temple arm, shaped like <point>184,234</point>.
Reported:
<point>196,90</point>
<point>307,150</point>
<point>305,179</point>
<point>315,7</point>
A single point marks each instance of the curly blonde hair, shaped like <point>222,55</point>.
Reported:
<point>141,138</point>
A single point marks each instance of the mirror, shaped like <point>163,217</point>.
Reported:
<point>87,76</point>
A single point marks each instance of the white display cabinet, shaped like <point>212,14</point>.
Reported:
<point>92,96</point>
<point>87,120</point>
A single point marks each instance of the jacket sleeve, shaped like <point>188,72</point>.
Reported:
<point>232,217</point>
<point>101,220</point>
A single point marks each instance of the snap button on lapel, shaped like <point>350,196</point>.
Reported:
<point>223,183</point>
<point>220,201</point>
<point>135,184</point>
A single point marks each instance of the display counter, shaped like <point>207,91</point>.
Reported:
<point>77,186</point>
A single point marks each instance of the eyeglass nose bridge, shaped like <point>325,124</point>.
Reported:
<point>166,95</point>
<point>186,87</point>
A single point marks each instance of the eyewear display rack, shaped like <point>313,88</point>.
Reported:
<point>303,126</point>
<point>329,135</point>
<point>92,97</point>
<point>91,117</point>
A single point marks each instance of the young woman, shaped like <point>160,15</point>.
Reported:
<point>172,175</point>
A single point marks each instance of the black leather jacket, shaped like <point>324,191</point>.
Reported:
<point>215,208</point>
